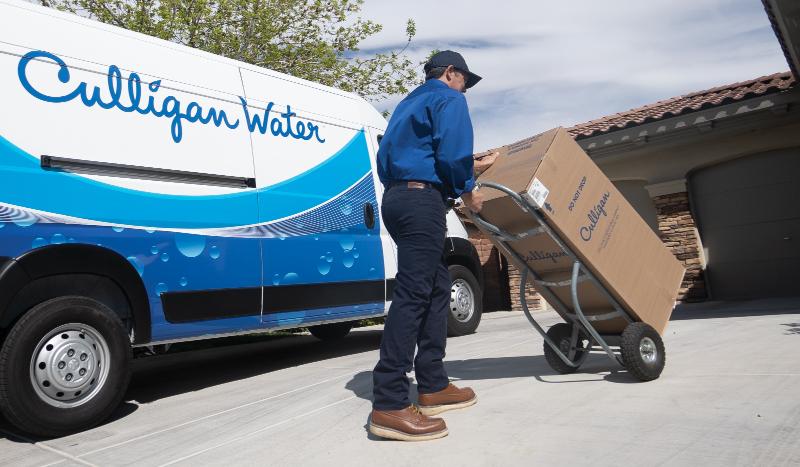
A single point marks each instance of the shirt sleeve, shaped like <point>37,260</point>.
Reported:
<point>452,144</point>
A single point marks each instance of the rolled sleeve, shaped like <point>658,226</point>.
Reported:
<point>453,145</point>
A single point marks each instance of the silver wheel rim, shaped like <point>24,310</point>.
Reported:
<point>69,365</point>
<point>462,301</point>
<point>648,350</point>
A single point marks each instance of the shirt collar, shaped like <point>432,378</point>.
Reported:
<point>436,82</point>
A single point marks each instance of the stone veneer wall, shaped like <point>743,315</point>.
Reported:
<point>534,300</point>
<point>678,231</point>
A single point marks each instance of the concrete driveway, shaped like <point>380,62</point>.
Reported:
<point>728,396</point>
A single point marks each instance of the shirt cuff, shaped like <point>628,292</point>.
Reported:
<point>469,185</point>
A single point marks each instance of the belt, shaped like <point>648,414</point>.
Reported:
<point>413,184</point>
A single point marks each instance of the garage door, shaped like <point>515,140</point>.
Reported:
<point>748,213</point>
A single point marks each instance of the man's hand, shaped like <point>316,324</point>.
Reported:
<point>473,200</point>
<point>484,161</point>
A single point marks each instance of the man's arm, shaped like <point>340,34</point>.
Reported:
<point>452,143</point>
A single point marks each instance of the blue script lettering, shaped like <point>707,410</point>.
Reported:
<point>170,107</point>
<point>301,130</point>
<point>594,215</point>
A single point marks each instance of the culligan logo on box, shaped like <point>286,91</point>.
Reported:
<point>594,216</point>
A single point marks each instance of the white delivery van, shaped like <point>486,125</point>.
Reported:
<point>151,193</point>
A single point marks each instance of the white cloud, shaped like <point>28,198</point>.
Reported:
<point>559,63</point>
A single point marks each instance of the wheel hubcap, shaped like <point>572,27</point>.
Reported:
<point>69,366</point>
<point>462,300</point>
<point>648,350</point>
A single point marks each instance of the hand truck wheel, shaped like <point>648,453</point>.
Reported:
<point>561,334</point>
<point>642,351</point>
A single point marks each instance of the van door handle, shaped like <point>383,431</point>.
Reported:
<point>369,215</point>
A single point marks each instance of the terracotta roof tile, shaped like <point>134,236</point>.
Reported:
<point>687,103</point>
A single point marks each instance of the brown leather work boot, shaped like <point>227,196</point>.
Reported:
<point>408,424</point>
<point>449,398</point>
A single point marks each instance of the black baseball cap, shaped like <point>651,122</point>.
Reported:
<point>447,58</point>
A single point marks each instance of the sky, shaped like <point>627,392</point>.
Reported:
<point>546,64</point>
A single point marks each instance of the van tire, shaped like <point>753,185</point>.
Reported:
<point>33,353</point>
<point>465,292</point>
<point>332,331</point>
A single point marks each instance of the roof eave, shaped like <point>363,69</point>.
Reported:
<point>784,15</point>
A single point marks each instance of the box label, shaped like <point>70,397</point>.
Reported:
<point>538,192</point>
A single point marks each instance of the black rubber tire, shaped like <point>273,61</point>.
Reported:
<point>332,331</point>
<point>19,402</point>
<point>462,328</point>
<point>635,363</point>
<point>560,334</point>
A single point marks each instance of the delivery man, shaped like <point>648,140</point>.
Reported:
<point>424,158</point>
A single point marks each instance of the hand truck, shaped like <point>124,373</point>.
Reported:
<point>639,348</point>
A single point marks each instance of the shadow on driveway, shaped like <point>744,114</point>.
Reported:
<point>166,375</point>
<point>732,309</point>
<point>597,368</point>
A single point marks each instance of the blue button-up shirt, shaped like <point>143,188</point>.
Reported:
<point>429,139</point>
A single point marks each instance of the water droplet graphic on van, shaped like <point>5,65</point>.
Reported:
<point>136,264</point>
<point>183,282</point>
<point>329,257</point>
<point>165,257</point>
<point>58,239</point>
<point>190,246</point>
<point>149,231</point>
<point>356,254</point>
<point>213,252</point>
<point>324,267</point>
<point>347,243</point>
<point>291,278</point>
<point>117,229</point>
<point>26,222</point>
<point>161,288</point>
<point>2,224</point>
<point>276,279</point>
<point>347,259</point>
<point>39,242</point>
<point>347,209</point>
<point>154,249</point>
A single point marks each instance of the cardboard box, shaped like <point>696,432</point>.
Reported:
<point>593,218</point>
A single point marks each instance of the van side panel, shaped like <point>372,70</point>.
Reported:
<point>243,199</point>
<point>324,168</point>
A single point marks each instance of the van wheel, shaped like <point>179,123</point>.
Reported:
<point>332,331</point>
<point>466,302</point>
<point>64,367</point>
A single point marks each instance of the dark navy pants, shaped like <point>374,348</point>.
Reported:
<point>415,218</point>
